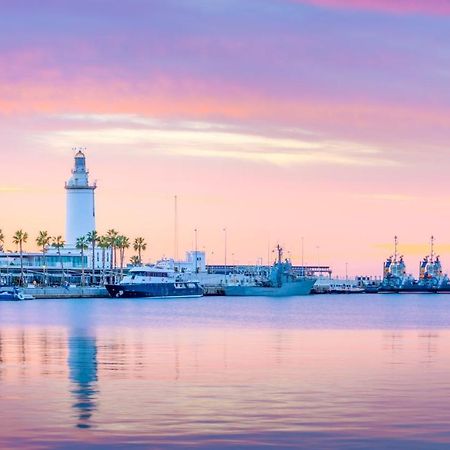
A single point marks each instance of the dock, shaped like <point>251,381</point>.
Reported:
<point>64,293</point>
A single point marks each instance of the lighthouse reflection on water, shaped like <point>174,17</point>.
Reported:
<point>82,362</point>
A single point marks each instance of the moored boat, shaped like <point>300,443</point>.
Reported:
<point>431,277</point>
<point>281,282</point>
<point>155,281</point>
<point>15,295</point>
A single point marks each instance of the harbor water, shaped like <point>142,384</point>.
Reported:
<point>344,371</point>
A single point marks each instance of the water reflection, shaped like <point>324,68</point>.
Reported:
<point>162,386</point>
<point>82,362</point>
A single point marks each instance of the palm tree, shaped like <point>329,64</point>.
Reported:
<point>122,244</point>
<point>92,237</point>
<point>134,260</point>
<point>20,237</point>
<point>139,246</point>
<point>2,240</point>
<point>112,236</point>
<point>103,243</point>
<point>58,243</point>
<point>82,245</point>
<point>43,240</point>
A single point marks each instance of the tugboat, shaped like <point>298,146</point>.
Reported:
<point>281,282</point>
<point>156,281</point>
<point>395,279</point>
<point>431,271</point>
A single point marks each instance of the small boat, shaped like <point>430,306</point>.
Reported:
<point>15,295</point>
<point>8,296</point>
<point>157,281</point>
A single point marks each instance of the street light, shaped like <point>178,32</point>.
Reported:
<point>196,254</point>
<point>225,237</point>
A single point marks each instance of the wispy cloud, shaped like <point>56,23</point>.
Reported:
<point>10,189</point>
<point>390,197</point>
<point>143,135</point>
<point>415,249</point>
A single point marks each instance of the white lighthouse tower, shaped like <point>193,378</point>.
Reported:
<point>80,209</point>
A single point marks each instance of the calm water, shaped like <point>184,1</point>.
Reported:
<point>351,372</point>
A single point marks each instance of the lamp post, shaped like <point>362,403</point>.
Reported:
<point>196,255</point>
<point>225,238</point>
<point>303,247</point>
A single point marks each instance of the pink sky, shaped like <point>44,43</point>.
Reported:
<point>279,119</point>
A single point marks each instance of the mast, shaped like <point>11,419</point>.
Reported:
<point>280,253</point>
<point>395,248</point>
<point>432,249</point>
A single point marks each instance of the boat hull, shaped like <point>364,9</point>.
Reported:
<point>155,290</point>
<point>300,287</point>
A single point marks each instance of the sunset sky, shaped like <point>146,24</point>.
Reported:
<point>277,119</point>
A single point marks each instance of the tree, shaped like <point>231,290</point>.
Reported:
<point>139,246</point>
<point>20,237</point>
<point>134,260</point>
<point>58,243</point>
<point>103,243</point>
<point>2,240</point>
<point>112,237</point>
<point>82,245</point>
<point>43,240</point>
<point>122,243</point>
<point>92,237</point>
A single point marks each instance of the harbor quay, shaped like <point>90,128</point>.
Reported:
<point>45,281</point>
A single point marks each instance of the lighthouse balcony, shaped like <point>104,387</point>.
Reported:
<point>75,185</point>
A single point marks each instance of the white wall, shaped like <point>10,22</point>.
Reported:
<point>80,214</point>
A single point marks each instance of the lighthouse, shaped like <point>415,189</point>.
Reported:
<point>80,198</point>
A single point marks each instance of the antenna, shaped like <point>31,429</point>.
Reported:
<point>395,248</point>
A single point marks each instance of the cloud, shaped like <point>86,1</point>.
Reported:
<point>10,189</point>
<point>141,135</point>
<point>387,197</point>
<point>415,249</point>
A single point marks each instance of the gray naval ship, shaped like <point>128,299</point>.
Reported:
<point>280,282</point>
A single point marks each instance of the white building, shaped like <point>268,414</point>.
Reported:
<point>80,202</point>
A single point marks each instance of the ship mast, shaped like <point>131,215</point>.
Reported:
<point>280,253</point>
<point>432,249</point>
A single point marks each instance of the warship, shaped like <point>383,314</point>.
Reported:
<point>280,282</point>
